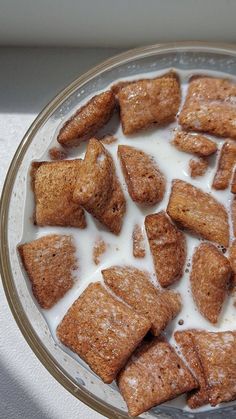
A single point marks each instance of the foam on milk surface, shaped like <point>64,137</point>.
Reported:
<point>174,164</point>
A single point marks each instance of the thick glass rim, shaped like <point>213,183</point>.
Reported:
<point>5,268</point>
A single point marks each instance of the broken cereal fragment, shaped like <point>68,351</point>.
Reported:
<point>102,331</point>
<point>108,139</point>
<point>198,167</point>
<point>199,212</point>
<point>145,182</point>
<point>148,101</point>
<point>153,375</point>
<point>135,288</point>
<point>225,167</point>
<point>168,247</point>
<point>138,242</point>
<point>194,143</point>
<point>99,249</point>
<point>56,153</point>
<point>210,106</point>
<point>49,263</point>
<point>209,279</point>
<point>87,120</point>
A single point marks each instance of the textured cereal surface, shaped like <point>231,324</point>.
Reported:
<point>49,263</point>
<point>198,167</point>
<point>102,331</point>
<point>56,153</point>
<point>210,106</point>
<point>185,340</point>
<point>53,184</point>
<point>233,215</point>
<point>153,375</point>
<point>98,189</point>
<point>225,167</point>
<point>232,259</point>
<point>209,280</point>
<point>233,184</point>
<point>145,182</point>
<point>168,247</point>
<point>87,120</point>
<point>199,212</point>
<point>216,352</point>
<point>194,143</point>
<point>138,242</point>
<point>148,101</point>
<point>134,287</point>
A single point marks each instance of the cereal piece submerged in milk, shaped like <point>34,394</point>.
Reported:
<point>153,375</point>
<point>216,352</point>
<point>209,279</point>
<point>56,153</point>
<point>185,340</point>
<point>210,106</point>
<point>168,247</point>
<point>53,184</point>
<point>145,182</point>
<point>102,331</point>
<point>148,101</point>
<point>199,212</point>
<point>135,288</point>
<point>49,263</point>
<point>87,120</point>
<point>98,189</point>
<point>194,143</point>
<point>198,167</point>
<point>138,242</point>
<point>108,139</point>
<point>99,249</point>
<point>225,167</point>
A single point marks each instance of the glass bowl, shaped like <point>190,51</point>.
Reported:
<point>71,373</point>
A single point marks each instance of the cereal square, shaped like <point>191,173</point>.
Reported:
<point>225,167</point>
<point>194,143</point>
<point>102,331</point>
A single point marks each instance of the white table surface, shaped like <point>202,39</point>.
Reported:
<point>29,78</point>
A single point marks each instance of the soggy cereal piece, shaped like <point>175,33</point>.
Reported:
<point>148,101</point>
<point>233,184</point>
<point>216,352</point>
<point>99,249</point>
<point>153,375</point>
<point>87,120</point>
<point>102,331</point>
<point>108,139</point>
<point>194,143</point>
<point>168,247</point>
<point>135,288</point>
<point>198,211</point>
<point>185,340</point>
<point>98,189</point>
<point>198,167</point>
<point>53,185</point>
<point>233,215</point>
<point>232,259</point>
<point>56,153</point>
<point>210,106</point>
<point>209,280</point>
<point>225,167</point>
<point>138,242</point>
<point>145,182</point>
<point>49,263</point>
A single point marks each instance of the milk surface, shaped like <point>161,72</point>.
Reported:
<point>174,165</point>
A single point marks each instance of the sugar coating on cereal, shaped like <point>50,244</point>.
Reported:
<point>168,247</point>
<point>145,182</point>
<point>198,167</point>
<point>225,167</point>
<point>49,263</point>
<point>139,250</point>
<point>98,189</point>
<point>199,212</point>
<point>210,106</point>
<point>185,340</point>
<point>194,143</point>
<point>53,185</point>
<point>148,101</point>
<point>102,331</point>
<point>87,120</point>
<point>153,375</point>
<point>216,351</point>
<point>209,279</point>
<point>135,288</point>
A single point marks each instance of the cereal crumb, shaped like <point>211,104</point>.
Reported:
<point>99,249</point>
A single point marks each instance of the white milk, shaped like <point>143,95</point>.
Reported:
<point>174,164</point>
